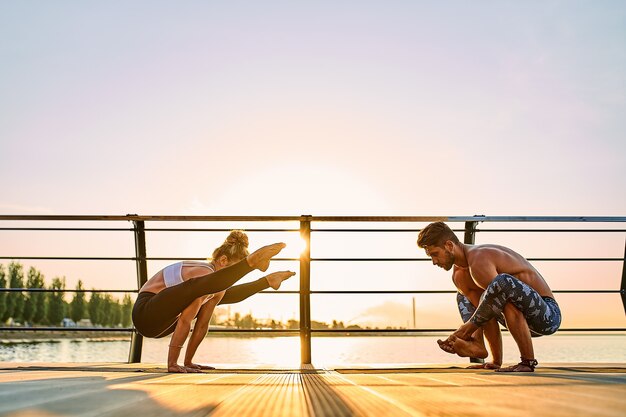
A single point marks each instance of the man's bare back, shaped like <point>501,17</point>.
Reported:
<point>485,262</point>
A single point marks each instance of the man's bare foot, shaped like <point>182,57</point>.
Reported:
<point>446,346</point>
<point>469,348</point>
<point>526,365</point>
<point>486,365</point>
<point>276,278</point>
<point>196,366</point>
<point>260,259</point>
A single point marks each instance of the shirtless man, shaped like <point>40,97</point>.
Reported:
<point>494,284</point>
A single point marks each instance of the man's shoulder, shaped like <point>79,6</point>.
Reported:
<point>487,249</point>
<point>479,256</point>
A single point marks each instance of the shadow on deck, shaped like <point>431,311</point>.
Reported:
<point>145,389</point>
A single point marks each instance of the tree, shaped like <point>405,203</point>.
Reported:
<point>33,300</point>
<point>39,299</point>
<point>78,305</point>
<point>337,325</point>
<point>116,313</point>
<point>127,311</point>
<point>94,307</point>
<point>249,322</point>
<point>237,320</point>
<point>3,295</point>
<point>318,325</point>
<point>56,305</point>
<point>107,310</point>
<point>15,300</point>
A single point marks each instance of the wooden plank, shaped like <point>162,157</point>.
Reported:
<point>496,394</point>
<point>98,390</point>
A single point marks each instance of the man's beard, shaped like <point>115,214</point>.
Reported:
<point>449,262</point>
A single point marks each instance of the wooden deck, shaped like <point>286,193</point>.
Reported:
<point>147,390</point>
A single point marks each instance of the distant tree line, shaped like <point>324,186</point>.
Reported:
<point>50,308</point>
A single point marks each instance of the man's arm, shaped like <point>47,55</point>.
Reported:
<point>481,272</point>
<point>491,330</point>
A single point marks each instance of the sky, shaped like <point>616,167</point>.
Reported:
<point>323,108</point>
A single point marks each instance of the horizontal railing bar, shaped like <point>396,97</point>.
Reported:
<point>81,258</point>
<point>218,230</point>
<point>295,331</point>
<point>476,230</point>
<point>428,259</point>
<point>454,292</point>
<point>53,290</point>
<point>130,329</point>
<point>134,217</point>
<point>582,329</point>
<point>50,290</point>
<point>105,229</point>
<point>71,258</point>
<point>70,229</point>
<point>59,329</point>
<point>512,219</point>
<point>87,258</point>
<point>553,230</point>
<point>106,291</point>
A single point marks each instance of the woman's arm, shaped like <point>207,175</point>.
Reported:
<point>180,335</point>
<point>200,330</point>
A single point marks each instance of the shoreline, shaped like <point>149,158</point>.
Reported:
<point>47,336</point>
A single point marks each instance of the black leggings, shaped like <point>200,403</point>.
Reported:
<point>155,315</point>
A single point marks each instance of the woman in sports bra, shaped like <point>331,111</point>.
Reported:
<point>174,296</point>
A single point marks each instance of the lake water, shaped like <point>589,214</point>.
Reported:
<point>326,351</point>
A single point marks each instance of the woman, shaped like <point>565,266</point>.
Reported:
<point>178,293</point>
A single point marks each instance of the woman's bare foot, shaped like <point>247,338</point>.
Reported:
<point>196,366</point>
<point>469,348</point>
<point>181,369</point>
<point>276,278</point>
<point>260,258</point>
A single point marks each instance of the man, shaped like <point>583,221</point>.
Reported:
<point>494,284</point>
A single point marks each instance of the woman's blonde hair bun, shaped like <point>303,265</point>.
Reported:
<point>237,238</point>
<point>235,247</point>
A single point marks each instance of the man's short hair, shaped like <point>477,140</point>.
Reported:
<point>436,234</point>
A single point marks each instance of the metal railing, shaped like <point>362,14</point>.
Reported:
<point>305,229</point>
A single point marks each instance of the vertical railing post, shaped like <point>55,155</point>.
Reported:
<point>470,233</point>
<point>136,341</point>
<point>622,289</point>
<point>305,291</point>
<point>470,238</point>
